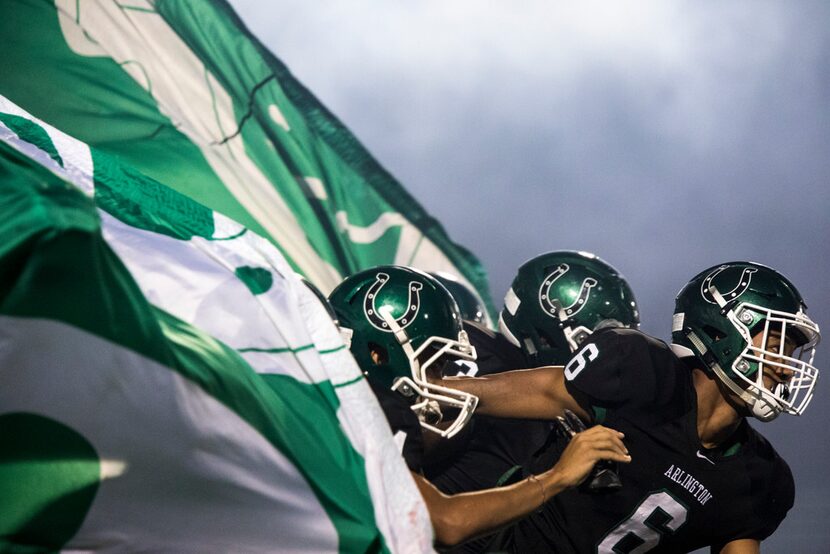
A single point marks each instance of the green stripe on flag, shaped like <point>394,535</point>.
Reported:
<point>283,350</point>
<point>55,265</point>
<point>333,468</point>
<point>331,350</point>
<point>351,382</point>
<point>189,97</point>
<point>33,132</point>
<point>92,91</point>
<point>42,459</point>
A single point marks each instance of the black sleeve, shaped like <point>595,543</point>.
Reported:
<point>405,426</point>
<point>771,491</point>
<point>778,498</point>
<point>618,368</point>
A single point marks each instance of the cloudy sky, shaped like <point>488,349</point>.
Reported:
<point>664,136</point>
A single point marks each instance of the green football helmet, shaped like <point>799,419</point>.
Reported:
<point>558,299</point>
<point>402,324</point>
<point>718,313</point>
<point>471,307</point>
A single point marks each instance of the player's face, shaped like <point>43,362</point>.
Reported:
<point>773,366</point>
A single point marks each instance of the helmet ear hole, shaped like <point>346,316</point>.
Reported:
<point>378,354</point>
<point>713,333</point>
<point>545,340</point>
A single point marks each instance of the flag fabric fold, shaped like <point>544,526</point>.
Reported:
<point>176,384</point>
<point>183,92</point>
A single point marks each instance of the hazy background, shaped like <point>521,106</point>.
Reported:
<point>664,136</point>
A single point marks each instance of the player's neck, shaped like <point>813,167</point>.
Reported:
<point>717,419</point>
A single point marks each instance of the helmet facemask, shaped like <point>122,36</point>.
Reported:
<point>574,333</point>
<point>786,348</point>
<point>759,343</point>
<point>428,359</point>
<point>402,326</point>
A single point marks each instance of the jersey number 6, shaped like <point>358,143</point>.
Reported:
<point>579,361</point>
<point>657,515</point>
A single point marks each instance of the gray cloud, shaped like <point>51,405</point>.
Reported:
<point>664,136</point>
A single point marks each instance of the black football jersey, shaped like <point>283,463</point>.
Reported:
<point>494,449</point>
<point>490,451</point>
<point>676,496</point>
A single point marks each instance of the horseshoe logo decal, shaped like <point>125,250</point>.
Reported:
<point>413,304</point>
<point>550,307</point>
<point>737,290</point>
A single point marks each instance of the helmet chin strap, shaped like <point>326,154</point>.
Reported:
<point>765,408</point>
<point>717,296</point>
<point>402,338</point>
<point>758,400</point>
<point>397,330</point>
<point>560,310</point>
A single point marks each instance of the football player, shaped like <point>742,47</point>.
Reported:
<point>403,327</point>
<point>555,301</point>
<point>742,345</point>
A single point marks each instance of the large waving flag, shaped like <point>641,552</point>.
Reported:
<point>185,94</point>
<point>168,383</point>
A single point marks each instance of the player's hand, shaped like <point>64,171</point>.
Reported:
<point>604,477</point>
<point>585,449</point>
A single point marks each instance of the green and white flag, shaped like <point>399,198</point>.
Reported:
<point>166,381</point>
<point>185,94</point>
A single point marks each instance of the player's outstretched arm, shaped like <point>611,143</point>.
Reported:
<point>538,393</point>
<point>459,517</point>
<point>742,546</point>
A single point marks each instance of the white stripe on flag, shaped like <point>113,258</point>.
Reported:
<point>195,476</point>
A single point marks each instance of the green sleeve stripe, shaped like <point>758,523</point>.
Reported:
<point>600,414</point>
<point>507,475</point>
